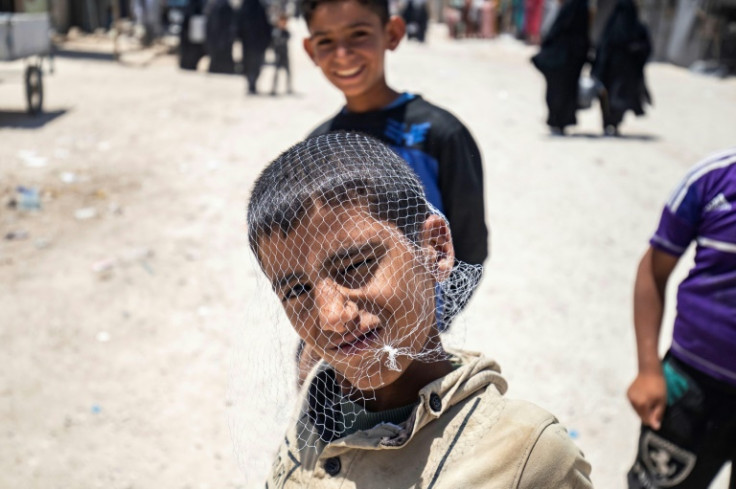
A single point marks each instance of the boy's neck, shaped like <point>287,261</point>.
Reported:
<point>374,99</point>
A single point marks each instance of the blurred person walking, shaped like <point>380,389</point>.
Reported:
<point>148,16</point>
<point>511,17</point>
<point>517,17</point>
<point>533,20</point>
<point>687,400</point>
<point>220,36</point>
<point>280,36</point>
<point>622,52</point>
<point>488,19</point>
<point>191,37</point>
<point>452,15</point>
<point>561,58</point>
<point>254,31</point>
<point>416,17</point>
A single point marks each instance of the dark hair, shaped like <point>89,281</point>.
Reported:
<point>379,7</point>
<point>335,169</point>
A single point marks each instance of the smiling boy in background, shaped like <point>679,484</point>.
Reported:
<point>348,40</point>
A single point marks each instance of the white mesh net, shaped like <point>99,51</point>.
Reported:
<point>364,270</point>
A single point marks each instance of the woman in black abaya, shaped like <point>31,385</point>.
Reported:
<point>623,50</point>
<point>563,54</point>
<point>220,36</point>
<point>190,50</point>
<point>255,33</point>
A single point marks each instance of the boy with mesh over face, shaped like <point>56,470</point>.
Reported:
<point>342,229</point>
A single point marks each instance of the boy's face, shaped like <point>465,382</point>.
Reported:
<point>348,42</point>
<point>353,286</point>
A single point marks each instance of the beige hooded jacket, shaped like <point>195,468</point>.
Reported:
<point>463,434</point>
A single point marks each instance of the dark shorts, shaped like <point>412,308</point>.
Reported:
<point>697,437</point>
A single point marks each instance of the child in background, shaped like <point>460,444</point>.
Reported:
<point>687,400</point>
<point>348,40</point>
<point>357,256</point>
<point>280,43</point>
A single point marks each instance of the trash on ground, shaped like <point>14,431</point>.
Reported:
<point>141,256</point>
<point>31,159</point>
<point>115,208</point>
<point>104,268</point>
<point>85,213</point>
<point>16,235</point>
<point>137,255</point>
<point>42,243</point>
<point>147,267</point>
<point>68,177</point>
<point>27,198</point>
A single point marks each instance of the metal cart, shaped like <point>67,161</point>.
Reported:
<point>27,36</point>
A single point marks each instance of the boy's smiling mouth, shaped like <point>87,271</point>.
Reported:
<point>359,343</point>
<point>349,73</point>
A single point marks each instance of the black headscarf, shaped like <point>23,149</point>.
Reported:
<point>567,41</point>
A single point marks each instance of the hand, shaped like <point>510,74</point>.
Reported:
<point>648,396</point>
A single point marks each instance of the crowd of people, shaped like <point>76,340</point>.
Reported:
<point>211,28</point>
<point>615,73</point>
<point>528,20</point>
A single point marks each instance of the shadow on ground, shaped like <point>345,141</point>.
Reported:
<point>24,120</point>
<point>81,54</point>
<point>591,135</point>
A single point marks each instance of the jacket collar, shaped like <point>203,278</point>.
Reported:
<point>474,374</point>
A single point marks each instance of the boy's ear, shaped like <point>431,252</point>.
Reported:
<point>437,242</point>
<point>308,48</point>
<point>395,30</point>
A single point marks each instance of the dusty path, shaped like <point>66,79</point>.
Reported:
<point>117,330</point>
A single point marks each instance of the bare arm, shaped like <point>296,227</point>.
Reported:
<point>648,391</point>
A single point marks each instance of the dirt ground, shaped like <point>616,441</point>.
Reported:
<point>130,357</point>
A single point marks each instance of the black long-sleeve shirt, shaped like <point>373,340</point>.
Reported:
<point>444,155</point>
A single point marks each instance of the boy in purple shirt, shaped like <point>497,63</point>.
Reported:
<point>687,402</point>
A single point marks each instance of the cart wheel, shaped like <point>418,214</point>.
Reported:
<point>34,89</point>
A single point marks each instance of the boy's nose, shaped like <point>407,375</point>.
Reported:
<point>342,49</point>
<point>336,310</point>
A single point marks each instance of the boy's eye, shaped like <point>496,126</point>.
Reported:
<point>322,42</point>
<point>295,291</point>
<point>355,274</point>
<point>359,34</point>
<point>359,264</point>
